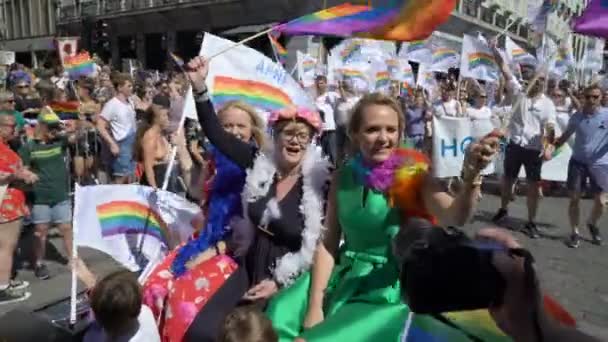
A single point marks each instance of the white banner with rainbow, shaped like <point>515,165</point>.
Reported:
<point>132,223</point>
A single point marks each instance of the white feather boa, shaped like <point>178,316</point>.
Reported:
<point>316,175</point>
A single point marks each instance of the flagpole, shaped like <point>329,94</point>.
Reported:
<point>241,42</point>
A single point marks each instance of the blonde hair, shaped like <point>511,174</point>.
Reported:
<point>257,125</point>
<point>373,99</point>
<point>247,324</point>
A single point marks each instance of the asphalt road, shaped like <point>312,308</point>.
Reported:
<point>578,278</point>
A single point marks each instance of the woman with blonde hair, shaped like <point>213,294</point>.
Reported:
<point>224,183</point>
<point>353,292</point>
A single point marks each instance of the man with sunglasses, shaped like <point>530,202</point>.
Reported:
<point>530,130</point>
<point>589,161</point>
<point>7,104</point>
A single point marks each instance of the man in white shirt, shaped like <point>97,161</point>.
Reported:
<point>531,131</point>
<point>117,129</point>
<point>448,105</point>
<point>326,102</point>
<point>479,110</point>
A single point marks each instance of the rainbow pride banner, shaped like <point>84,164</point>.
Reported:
<point>242,73</point>
<point>68,110</point>
<point>132,223</point>
<point>79,65</point>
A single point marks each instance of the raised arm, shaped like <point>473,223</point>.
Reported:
<point>324,261</point>
<point>237,150</point>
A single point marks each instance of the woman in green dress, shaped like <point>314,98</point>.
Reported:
<point>352,293</point>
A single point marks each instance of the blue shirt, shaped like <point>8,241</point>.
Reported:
<point>591,139</point>
<point>414,121</point>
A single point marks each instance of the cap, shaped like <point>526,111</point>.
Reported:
<point>48,117</point>
<point>162,101</point>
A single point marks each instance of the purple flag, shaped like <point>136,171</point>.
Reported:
<point>594,20</point>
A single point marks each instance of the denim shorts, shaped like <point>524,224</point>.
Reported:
<point>579,173</point>
<point>54,214</point>
<point>123,164</point>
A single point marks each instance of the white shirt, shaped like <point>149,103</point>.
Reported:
<point>327,104</point>
<point>344,110</point>
<point>527,126</point>
<point>479,113</point>
<point>450,108</point>
<point>147,331</point>
<point>121,117</point>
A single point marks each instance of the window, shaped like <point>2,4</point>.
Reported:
<point>470,7</point>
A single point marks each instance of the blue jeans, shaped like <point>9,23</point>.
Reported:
<point>55,214</point>
<point>123,164</point>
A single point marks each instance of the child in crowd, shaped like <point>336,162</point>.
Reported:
<point>247,324</point>
<point>116,302</point>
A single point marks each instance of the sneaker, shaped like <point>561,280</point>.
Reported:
<point>595,234</point>
<point>9,297</point>
<point>574,241</point>
<point>532,230</point>
<point>42,272</point>
<point>18,284</point>
<point>501,214</point>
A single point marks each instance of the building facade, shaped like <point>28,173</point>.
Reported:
<point>27,27</point>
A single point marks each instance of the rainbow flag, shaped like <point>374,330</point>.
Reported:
<point>66,110</point>
<point>279,50</point>
<point>352,74</point>
<point>592,21</point>
<point>79,65</point>
<point>308,65</point>
<point>258,94</point>
<point>416,19</point>
<point>442,53</point>
<point>350,50</point>
<point>478,59</point>
<point>383,79</point>
<point>131,218</point>
<point>322,21</point>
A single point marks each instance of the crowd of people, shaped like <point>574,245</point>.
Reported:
<point>299,232</point>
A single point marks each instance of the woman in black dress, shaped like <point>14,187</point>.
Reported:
<point>283,204</point>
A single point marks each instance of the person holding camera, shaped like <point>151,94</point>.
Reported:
<point>45,156</point>
<point>353,291</point>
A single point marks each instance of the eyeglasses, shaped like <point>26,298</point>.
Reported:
<point>303,137</point>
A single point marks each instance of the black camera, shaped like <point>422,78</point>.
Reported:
<point>442,270</point>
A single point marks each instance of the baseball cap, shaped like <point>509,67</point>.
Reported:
<point>48,117</point>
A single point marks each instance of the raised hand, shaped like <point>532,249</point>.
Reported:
<point>198,69</point>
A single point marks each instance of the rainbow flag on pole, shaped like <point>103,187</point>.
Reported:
<point>279,50</point>
<point>79,65</point>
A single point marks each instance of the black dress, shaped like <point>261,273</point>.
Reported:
<point>283,235</point>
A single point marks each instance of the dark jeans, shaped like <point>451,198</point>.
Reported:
<point>329,145</point>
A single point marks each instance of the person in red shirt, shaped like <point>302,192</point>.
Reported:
<point>13,176</point>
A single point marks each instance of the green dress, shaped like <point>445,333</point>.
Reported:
<point>363,301</point>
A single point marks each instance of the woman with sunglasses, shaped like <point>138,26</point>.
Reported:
<point>283,201</point>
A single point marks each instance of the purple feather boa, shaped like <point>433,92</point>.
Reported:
<point>380,176</point>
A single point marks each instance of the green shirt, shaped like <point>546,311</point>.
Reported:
<point>48,162</point>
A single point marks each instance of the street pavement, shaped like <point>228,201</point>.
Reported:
<point>578,278</point>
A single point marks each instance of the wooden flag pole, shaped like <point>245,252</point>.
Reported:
<point>248,39</point>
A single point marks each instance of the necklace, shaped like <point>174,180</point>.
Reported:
<point>378,177</point>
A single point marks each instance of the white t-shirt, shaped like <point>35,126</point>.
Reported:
<point>147,331</point>
<point>450,108</point>
<point>344,109</point>
<point>479,113</point>
<point>121,117</point>
<point>527,126</point>
<point>327,104</point>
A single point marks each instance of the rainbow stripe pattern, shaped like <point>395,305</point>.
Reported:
<point>350,50</point>
<point>66,110</point>
<point>352,74</point>
<point>258,94</point>
<point>327,20</point>
<point>79,65</point>
<point>308,65</point>
<point>518,52</point>
<point>441,54</point>
<point>383,79</point>
<point>478,59</point>
<point>131,218</point>
<point>280,50</point>
<point>416,45</point>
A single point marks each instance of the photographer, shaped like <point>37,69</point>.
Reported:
<point>492,271</point>
<point>45,156</point>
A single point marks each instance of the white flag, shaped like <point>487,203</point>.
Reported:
<point>518,55</point>
<point>416,51</point>
<point>426,78</point>
<point>132,223</point>
<point>306,69</point>
<point>594,55</point>
<point>478,60</point>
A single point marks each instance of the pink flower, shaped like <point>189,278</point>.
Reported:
<point>186,311</point>
<point>294,113</point>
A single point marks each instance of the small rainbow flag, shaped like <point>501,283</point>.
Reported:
<point>350,50</point>
<point>308,65</point>
<point>352,74</point>
<point>383,79</point>
<point>416,45</point>
<point>66,110</point>
<point>518,52</point>
<point>442,53</point>
<point>258,94</point>
<point>478,59</point>
<point>79,65</point>
<point>131,218</point>
<point>279,50</point>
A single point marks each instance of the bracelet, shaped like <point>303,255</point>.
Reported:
<point>202,96</point>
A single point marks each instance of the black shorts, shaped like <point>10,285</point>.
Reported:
<point>578,173</point>
<point>516,156</point>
